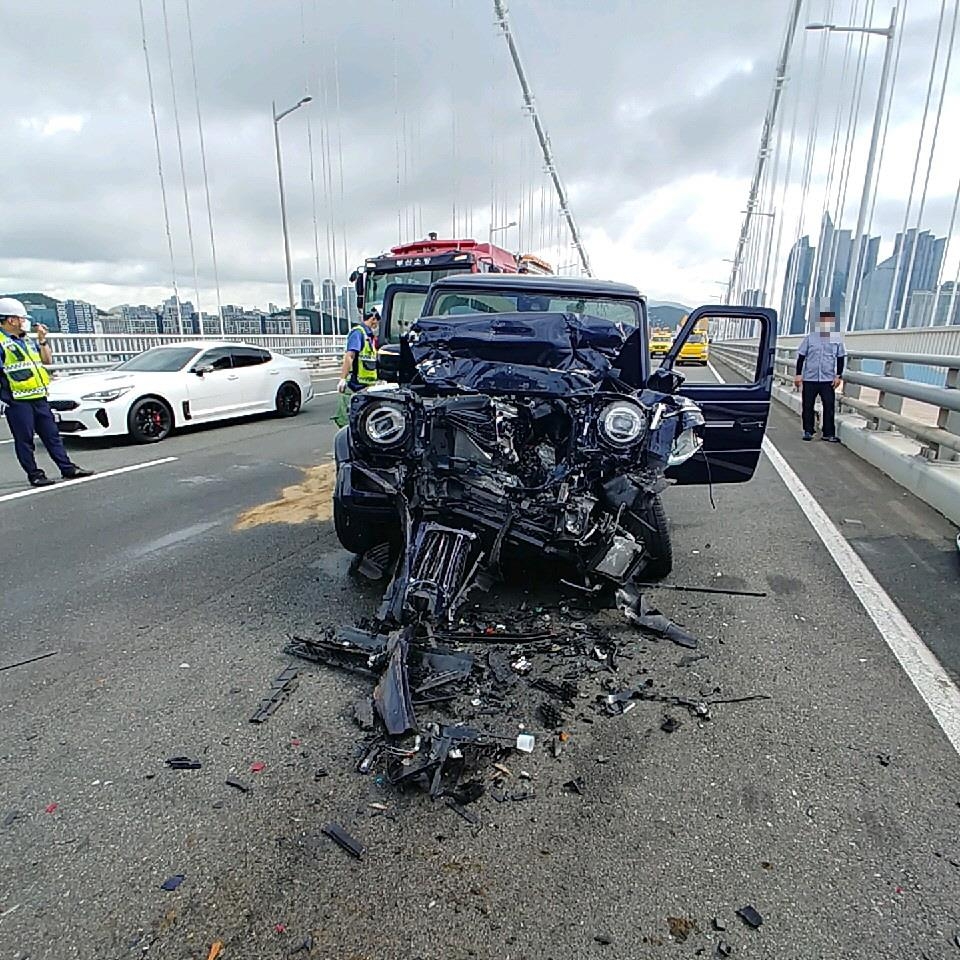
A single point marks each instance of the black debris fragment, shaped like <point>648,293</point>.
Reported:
<point>718,590</point>
<point>723,949</point>
<point>670,724</point>
<point>279,690</point>
<point>551,716</point>
<point>373,564</point>
<point>458,808</point>
<point>750,916</point>
<point>305,945</point>
<point>719,924</point>
<point>343,839</point>
<point>499,664</point>
<point>171,883</point>
<point>466,793</point>
<point>604,938</point>
<point>320,773</point>
<point>884,759</point>
<point>633,605</point>
<point>183,763</point>
<point>23,663</point>
<point>576,785</point>
<point>11,817</point>
<point>363,713</point>
<point>237,784</point>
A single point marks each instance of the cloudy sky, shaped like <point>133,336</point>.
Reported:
<point>654,112</point>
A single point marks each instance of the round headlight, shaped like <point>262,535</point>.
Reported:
<point>385,424</point>
<point>622,423</point>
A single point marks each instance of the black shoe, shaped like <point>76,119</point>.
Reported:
<point>76,473</point>
<point>808,436</point>
<point>832,439</point>
<point>41,480</point>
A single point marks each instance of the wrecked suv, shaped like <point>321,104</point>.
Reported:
<point>521,416</point>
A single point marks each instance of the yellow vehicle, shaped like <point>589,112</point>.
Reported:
<point>660,340</point>
<point>697,347</point>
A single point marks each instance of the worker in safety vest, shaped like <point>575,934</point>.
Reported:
<point>359,368</point>
<point>23,394</point>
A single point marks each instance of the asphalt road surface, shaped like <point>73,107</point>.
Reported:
<point>831,807</point>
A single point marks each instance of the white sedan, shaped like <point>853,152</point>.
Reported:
<point>178,384</point>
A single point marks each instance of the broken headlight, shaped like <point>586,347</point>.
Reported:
<point>384,424</point>
<point>689,437</point>
<point>622,423</point>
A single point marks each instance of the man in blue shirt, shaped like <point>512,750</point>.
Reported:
<point>820,359</point>
<point>23,394</point>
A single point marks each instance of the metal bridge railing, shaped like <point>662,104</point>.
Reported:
<point>89,352</point>
<point>924,412</point>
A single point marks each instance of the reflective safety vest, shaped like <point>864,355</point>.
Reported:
<point>23,368</point>
<point>365,366</point>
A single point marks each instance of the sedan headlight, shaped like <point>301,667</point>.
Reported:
<point>622,423</point>
<point>384,424</point>
<point>105,396</point>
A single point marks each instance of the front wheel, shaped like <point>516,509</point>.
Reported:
<point>288,400</point>
<point>650,525</point>
<point>150,420</point>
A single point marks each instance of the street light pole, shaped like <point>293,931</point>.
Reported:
<point>277,117</point>
<point>853,271</point>
<point>494,229</point>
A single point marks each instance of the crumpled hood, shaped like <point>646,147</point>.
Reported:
<point>549,353</point>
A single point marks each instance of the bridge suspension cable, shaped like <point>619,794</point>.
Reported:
<point>504,23</point>
<point>163,188</point>
<point>767,131</point>
<point>893,301</point>
<point>203,165</point>
<point>933,149</point>
<point>183,167</point>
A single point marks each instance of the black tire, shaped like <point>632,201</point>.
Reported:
<point>356,533</point>
<point>150,420</point>
<point>652,528</point>
<point>289,400</point>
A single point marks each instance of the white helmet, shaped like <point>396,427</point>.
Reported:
<point>12,308</point>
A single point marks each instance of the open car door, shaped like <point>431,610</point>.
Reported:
<point>402,304</point>
<point>735,401</point>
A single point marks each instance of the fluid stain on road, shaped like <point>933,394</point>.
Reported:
<point>309,500</point>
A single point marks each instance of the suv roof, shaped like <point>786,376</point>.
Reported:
<point>527,281</point>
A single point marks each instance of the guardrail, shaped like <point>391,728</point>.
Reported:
<point>933,417</point>
<point>89,352</point>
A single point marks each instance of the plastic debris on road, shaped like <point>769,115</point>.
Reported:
<point>750,916</point>
<point>171,883</point>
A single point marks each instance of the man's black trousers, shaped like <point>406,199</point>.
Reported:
<point>824,390</point>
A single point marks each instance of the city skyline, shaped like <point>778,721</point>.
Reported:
<point>903,290</point>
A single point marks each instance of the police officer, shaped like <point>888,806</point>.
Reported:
<point>359,368</point>
<point>820,359</point>
<point>23,394</point>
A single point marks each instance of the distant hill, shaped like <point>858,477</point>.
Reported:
<point>40,299</point>
<point>666,314</point>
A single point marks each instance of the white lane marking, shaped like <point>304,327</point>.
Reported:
<point>6,441</point>
<point>713,370</point>
<point>919,663</point>
<point>68,484</point>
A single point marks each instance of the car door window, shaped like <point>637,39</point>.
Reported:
<point>218,358</point>
<point>249,356</point>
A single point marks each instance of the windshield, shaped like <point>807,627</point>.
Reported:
<point>625,312</point>
<point>160,360</point>
<point>377,283</point>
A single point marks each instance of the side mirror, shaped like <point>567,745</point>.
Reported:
<point>665,380</point>
<point>388,362</point>
<point>203,368</point>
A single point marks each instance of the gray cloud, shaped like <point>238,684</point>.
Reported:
<point>637,95</point>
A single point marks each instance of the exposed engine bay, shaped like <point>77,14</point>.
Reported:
<point>525,435</point>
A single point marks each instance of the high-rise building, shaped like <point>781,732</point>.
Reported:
<point>186,323</point>
<point>348,303</point>
<point>888,289</point>
<point>308,296</point>
<point>48,316</point>
<point>76,316</point>
<point>796,287</point>
<point>272,308</point>
<point>328,297</point>
<point>139,319</point>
